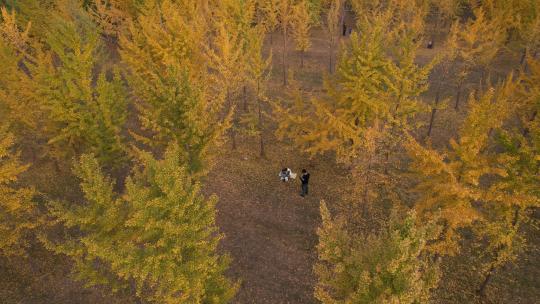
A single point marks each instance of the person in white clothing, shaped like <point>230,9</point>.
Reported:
<point>285,174</point>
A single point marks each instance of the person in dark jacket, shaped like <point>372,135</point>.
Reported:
<point>304,178</point>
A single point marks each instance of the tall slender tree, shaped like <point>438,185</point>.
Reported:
<point>445,12</point>
<point>478,42</point>
<point>300,29</point>
<point>226,59</point>
<point>259,72</point>
<point>332,30</point>
<point>446,65</point>
<point>285,17</point>
<point>529,30</point>
<point>270,14</point>
<point>18,106</point>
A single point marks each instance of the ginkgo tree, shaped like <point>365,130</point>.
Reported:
<point>269,10</point>
<point>158,235</point>
<point>18,213</point>
<point>18,106</point>
<point>477,44</point>
<point>446,66</point>
<point>389,267</point>
<point>369,86</point>
<point>331,28</point>
<point>445,12</point>
<point>112,15</point>
<point>514,195</point>
<point>300,29</point>
<point>75,114</point>
<point>285,18</point>
<point>529,29</point>
<point>230,58</point>
<point>238,16</point>
<point>165,58</point>
<point>83,116</point>
<point>449,183</point>
<point>226,60</point>
<point>259,69</point>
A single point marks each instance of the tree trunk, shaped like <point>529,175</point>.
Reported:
<point>261,136</point>
<point>244,89</point>
<point>284,57</point>
<point>436,28</point>
<point>57,166</point>
<point>526,129</point>
<point>342,17</point>
<point>434,110</point>
<point>260,123</point>
<point>523,61</point>
<point>233,136</point>
<point>458,95</point>
<point>232,131</point>
<point>330,55</point>
<point>482,290</point>
<point>481,84</point>
<point>366,210</point>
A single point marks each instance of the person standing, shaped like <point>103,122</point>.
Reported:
<point>304,178</point>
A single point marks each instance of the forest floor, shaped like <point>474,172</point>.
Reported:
<point>269,230</point>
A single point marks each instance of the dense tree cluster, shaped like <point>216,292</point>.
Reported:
<point>113,112</point>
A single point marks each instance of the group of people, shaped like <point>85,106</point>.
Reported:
<point>286,174</point>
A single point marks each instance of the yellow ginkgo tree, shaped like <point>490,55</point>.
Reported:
<point>300,29</point>
<point>478,42</point>
<point>18,213</point>
<point>448,184</point>
<point>157,238</point>
<point>163,50</point>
